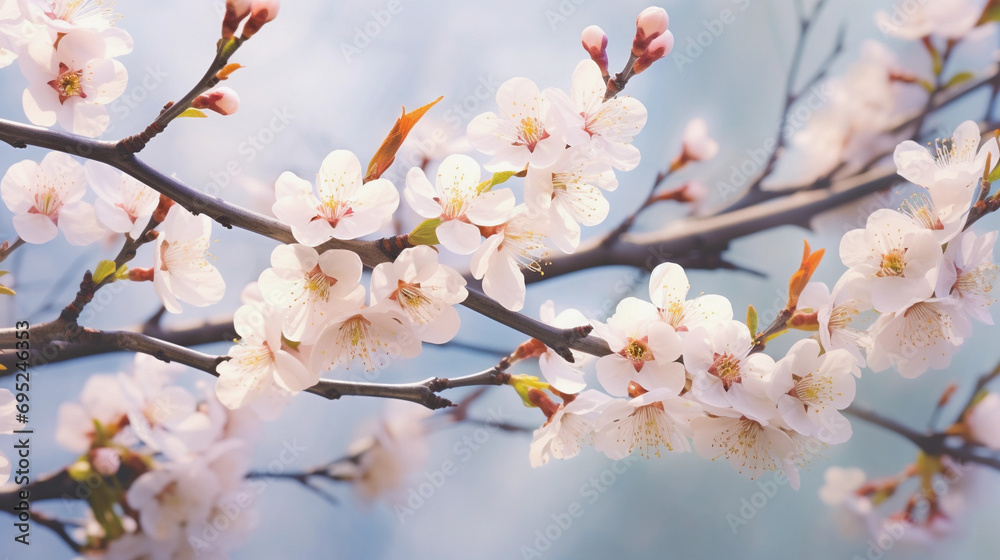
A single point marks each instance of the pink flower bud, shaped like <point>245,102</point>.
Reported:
<point>657,49</point>
<point>698,145</point>
<point>106,461</point>
<point>222,100</point>
<point>261,12</point>
<point>236,10</point>
<point>596,42</point>
<point>651,23</point>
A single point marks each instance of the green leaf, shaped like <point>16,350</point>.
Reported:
<point>936,60</point>
<point>752,320</point>
<point>122,273</point>
<point>994,174</point>
<point>926,85</point>
<point>959,78</point>
<point>4,290</point>
<point>990,13</point>
<point>498,177</point>
<point>103,270</point>
<point>524,383</point>
<point>194,113</point>
<point>425,233</point>
<point>3,272</point>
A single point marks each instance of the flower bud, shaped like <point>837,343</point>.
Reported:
<point>261,12</point>
<point>651,23</point>
<point>222,100</point>
<point>983,421</point>
<point>162,208</point>
<point>596,42</point>
<point>657,49</point>
<point>236,10</point>
<point>106,461</point>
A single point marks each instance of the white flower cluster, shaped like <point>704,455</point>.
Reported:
<point>67,50</point>
<point>684,369</point>
<point>186,457</point>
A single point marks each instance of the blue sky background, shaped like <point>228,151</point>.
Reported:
<point>493,505</point>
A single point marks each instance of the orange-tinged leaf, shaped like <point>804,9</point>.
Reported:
<point>801,277</point>
<point>386,153</point>
<point>227,70</point>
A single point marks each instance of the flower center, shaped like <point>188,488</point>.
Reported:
<point>413,301</point>
<point>893,263</point>
<point>47,202</point>
<point>332,210</point>
<point>318,284</point>
<point>530,133</point>
<point>727,368</point>
<point>68,83</point>
<point>637,351</point>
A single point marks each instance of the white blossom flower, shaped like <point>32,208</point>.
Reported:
<point>983,421</point>
<point>180,271</point>
<point>752,448</point>
<point>969,275</point>
<point>838,316</point>
<point>513,245</point>
<point>457,202</point>
<point>261,363</point>
<point>566,377</point>
<point>125,204</point>
<point>697,144</point>
<point>425,291</point>
<point>840,491</point>
<point>725,374</point>
<point>569,191</point>
<point>346,208</point>
<point>924,334</point>
<point>66,16</point>
<point>811,388</point>
<point>15,32</point>
<point>526,132</point>
<point>372,336</point>
<point>952,19</point>
<point>71,83</point>
<point>668,288</point>
<point>605,128</point>
<point>46,198</point>
<point>644,350</point>
<point>896,259</point>
<point>311,287</point>
<point>102,400</point>
<point>569,428</point>
<point>646,422</point>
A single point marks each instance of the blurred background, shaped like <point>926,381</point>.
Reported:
<point>333,75</point>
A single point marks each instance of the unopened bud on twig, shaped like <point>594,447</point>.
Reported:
<point>222,100</point>
<point>658,48</point>
<point>596,42</point>
<point>261,12</point>
<point>236,10</point>
<point>651,23</point>
<point>162,208</point>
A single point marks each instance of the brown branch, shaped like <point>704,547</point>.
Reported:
<point>7,248</point>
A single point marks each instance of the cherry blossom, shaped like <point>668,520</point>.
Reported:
<point>346,208</point>
<point>668,288</point>
<point>457,202</point>
<point>838,316</point>
<point>647,422</point>
<point>983,421</point>
<point>102,401</point>
<point>311,287</point>
<point>605,128</point>
<point>566,377</point>
<point>513,245</point>
<point>125,204</point>
<point>725,374</point>
<point>261,363</point>
<point>925,334</point>
<point>840,491</point>
<point>896,260</point>
<point>425,291</point>
<point>644,350</point>
<point>65,16</point>
<point>570,192</point>
<point>71,83</point>
<point>526,132</point>
<point>969,275</point>
<point>46,198</point>
<point>372,336</point>
<point>15,31</point>
<point>752,448</point>
<point>697,144</point>
<point>810,388</point>
<point>569,428</point>
<point>180,271</point>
